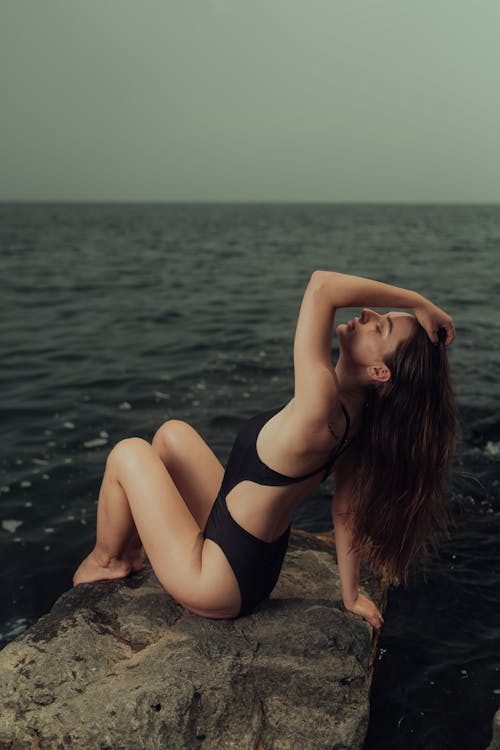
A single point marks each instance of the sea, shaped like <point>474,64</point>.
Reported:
<point>117,317</point>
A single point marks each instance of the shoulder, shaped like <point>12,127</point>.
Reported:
<point>317,430</point>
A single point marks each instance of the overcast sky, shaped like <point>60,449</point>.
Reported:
<point>250,100</point>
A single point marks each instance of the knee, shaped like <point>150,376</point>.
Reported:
<point>168,437</point>
<point>127,450</point>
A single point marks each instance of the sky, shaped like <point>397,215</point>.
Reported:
<point>250,100</point>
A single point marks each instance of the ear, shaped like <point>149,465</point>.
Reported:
<point>380,373</point>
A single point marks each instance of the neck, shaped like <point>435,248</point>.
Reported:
<point>351,388</point>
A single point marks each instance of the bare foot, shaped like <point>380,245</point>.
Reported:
<point>91,570</point>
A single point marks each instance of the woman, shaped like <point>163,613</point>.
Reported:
<point>384,409</point>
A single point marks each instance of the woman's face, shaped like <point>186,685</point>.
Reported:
<point>370,337</point>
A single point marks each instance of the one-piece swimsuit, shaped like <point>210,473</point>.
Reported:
<point>255,562</point>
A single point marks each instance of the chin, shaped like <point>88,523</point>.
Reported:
<point>342,332</point>
<point>343,338</point>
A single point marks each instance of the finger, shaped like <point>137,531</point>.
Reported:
<point>431,333</point>
<point>378,620</point>
<point>446,334</point>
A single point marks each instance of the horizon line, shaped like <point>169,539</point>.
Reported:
<point>247,202</point>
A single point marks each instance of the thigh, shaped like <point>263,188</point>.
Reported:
<point>195,573</point>
<point>193,466</point>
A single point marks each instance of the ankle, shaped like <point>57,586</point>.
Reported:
<point>102,557</point>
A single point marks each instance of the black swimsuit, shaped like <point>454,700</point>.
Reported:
<point>255,562</point>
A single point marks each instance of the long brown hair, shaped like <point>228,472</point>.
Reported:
<point>406,444</point>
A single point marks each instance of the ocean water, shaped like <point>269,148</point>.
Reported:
<point>115,318</point>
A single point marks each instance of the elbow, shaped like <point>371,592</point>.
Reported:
<point>317,280</point>
<point>320,277</point>
<point>317,276</point>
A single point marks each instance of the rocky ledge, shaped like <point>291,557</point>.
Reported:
<point>119,665</point>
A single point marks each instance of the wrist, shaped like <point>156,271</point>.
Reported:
<point>350,598</point>
<point>418,301</point>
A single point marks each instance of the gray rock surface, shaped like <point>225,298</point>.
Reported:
<point>119,665</point>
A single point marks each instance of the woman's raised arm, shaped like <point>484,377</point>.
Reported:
<point>344,290</point>
<point>316,385</point>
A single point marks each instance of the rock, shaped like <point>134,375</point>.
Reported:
<point>119,665</point>
<point>495,740</point>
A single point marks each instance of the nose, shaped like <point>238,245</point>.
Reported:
<point>367,314</point>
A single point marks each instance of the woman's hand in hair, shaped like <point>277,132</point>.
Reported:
<point>364,606</point>
<point>432,319</point>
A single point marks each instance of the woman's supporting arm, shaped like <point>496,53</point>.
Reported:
<point>347,559</point>
<point>348,565</point>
